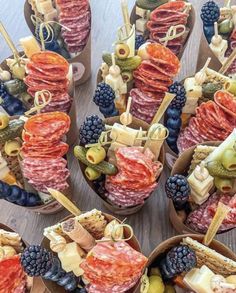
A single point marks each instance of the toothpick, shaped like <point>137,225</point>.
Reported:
<point>164,105</point>
<point>8,40</point>
<point>206,64</point>
<point>221,213</point>
<point>228,62</point>
<point>113,59</point>
<point>216,29</point>
<point>126,19</point>
<point>65,202</point>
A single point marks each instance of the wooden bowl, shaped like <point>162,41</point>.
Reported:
<point>52,207</point>
<point>190,25</point>
<point>181,166</point>
<point>53,287</point>
<point>136,124</point>
<point>81,62</point>
<point>165,246</point>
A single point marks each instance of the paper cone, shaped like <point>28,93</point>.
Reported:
<point>165,246</point>
<point>136,124</point>
<point>53,287</point>
<point>81,62</point>
<point>181,167</point>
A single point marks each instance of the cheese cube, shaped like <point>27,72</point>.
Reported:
<point>123,135</point>
<point>53,15</point>
<point>199,280</point>
<point>30,46</point>
<point>143,13</point>
<point>192,89</point>
<point>141,25</point>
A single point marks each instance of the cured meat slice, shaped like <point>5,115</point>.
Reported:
<point>12,275</point>
<point>226,101</point>
<point>163,18</point>
<point>113,267</point>
<point>200,219</point>
<point>136,178</point>
<point>77,17</point>
<point>48,125</point>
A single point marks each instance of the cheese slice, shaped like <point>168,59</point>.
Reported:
<point>143,13</point>
<point>199,198</point>
<point>30,46</point>
<point>46,6</point>
<point>52,15</point>
<point>199,280</point>
<point>201,187</point>
<point>123,135</point>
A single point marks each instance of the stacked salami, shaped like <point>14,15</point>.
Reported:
<point>43,163</point>
<point>152,79</point>
<point>113,267</point>
<point>211,123</point>
<point>48,71</point>
<point>13,278</point>
<point>136,178</point>
<point>163,18</point>
<point>75,15</point>
<point>200,219</point>
<point>232,46</point>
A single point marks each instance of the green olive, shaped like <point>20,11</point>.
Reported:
<point>96,155</point>
<point>156,285</point>
<point>226,26</point>
<point>223,184</point>
<point>92,174</point>
<point>228,159</point>
<point>12,148</point>
<point>169,289</point>
<point>127,76</point>
<point>122,51</point>
<point>4,120</point>
<point>18,71</point>
<point>155,271</point>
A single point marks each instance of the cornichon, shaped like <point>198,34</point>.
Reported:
<point>216,169</point>
<point>13,130</point>
<point>150,4</point>
<point>127,64</point>
<point>103,167</point>
<point>209,89</point>
<point>15,86</point>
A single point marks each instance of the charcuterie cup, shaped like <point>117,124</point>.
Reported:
<point>165,246</point>
<point>181,167</point>
<point>136,124</point>
<point>81,62</point>
<point>133,242</point>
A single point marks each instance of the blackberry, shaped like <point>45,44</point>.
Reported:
<point>210,12</point>
<point>180,98</point>
<point>3,91</point>
<point>104,95</point>
<point>139,41</point>
<point>36,261</point>
<point>91,130</point>
<point>178,189</point>
<point>178,260</point>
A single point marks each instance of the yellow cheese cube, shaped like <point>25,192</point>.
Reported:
<point>30,46</point>
<point>141,25</point>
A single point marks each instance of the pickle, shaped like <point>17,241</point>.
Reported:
<point>13,130</point>
<point>103,167</point>
<point>209,89</point>
<point>223,184</point>
<point>127,64</point>
<point>228,159</point>
<point>15,86</point>
<point>216,169</point>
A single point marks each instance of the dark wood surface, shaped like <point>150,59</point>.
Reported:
<point>151,224</point>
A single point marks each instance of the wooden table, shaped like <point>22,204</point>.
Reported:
<point>151,224</point>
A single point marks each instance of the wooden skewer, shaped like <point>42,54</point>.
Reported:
<point>63,200</point>
<point>126,19</point>
<point>8,40</point>
<point>221,213</point>
<point>164,105</point>
<point>229,61</point>
<point>126,117</point>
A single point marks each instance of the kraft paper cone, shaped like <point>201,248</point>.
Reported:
<point>190,25</point>
<point>204,53</point>
<point>133,242</point>
<point>136,124</point>
<point>165,246</point>
<point>81,62</point>
<point>181,167</point>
